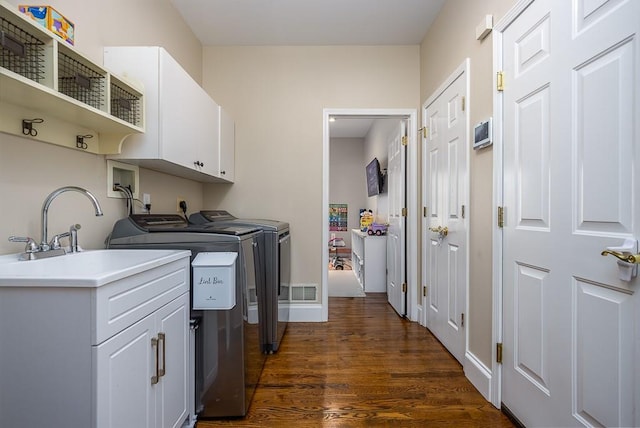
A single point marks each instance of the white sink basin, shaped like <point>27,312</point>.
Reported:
<point>85,269</point>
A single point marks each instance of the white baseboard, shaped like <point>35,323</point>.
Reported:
<point>478,374</point>
<point>305,312</point>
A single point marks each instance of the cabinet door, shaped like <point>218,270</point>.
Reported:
<point>172,321</point>
<point>188,118</point>
<point>227,146</point>
<point>124,365</point>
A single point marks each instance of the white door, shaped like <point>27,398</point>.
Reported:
<point>173,388</point>
<point>125,364</point>
<point>571,161</point>
<point>444,225</point>
<point>396,267</point>
<point>185,138</point>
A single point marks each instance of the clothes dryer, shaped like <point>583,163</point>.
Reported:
<point>277,264</point>
<point>227,348</point>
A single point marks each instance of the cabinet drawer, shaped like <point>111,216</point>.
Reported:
<point>122,303</point>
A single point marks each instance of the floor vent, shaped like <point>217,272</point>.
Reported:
<point>304,293</point>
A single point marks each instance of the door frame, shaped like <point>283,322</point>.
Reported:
<point>495,377</point>
<point>412,224</point>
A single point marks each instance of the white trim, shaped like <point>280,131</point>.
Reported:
<point>498,197</point>
<point>305,312</point>
<point>413,230</point>
<point>462,68</point>
<point>412,201</point>
<point>509,17</point>
<point>478,374</point>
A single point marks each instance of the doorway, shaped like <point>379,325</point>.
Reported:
<point>409,116</point>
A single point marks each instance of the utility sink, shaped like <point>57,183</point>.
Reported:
<point>84,269</point>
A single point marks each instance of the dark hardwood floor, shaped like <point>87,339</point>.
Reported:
<point>365,367</point>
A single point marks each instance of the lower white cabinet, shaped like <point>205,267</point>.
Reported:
<point>109,356</point>
<point>369,260</point>
<point>142,371</point>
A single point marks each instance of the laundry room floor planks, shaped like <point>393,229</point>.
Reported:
<point>366,367</point>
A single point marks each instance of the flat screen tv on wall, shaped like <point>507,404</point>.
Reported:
<point>374,178</point>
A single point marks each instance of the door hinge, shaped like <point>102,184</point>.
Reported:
<point>463,103</point>
<point>462,320</point>
<point>404,287</point>
<point>500,217</point>
<point>499,353</point>
<point>462,209</point>
<point>405,140</point>
<point>425,211</point>
<point>424,291</point>
<point>404,212</point>
<point>500,81</point>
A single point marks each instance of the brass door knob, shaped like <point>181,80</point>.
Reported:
<point>442,231</point>
<point>631,258</point>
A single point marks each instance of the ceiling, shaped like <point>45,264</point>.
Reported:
<point>308,22</point>
<point>311,23</point>
<point>350,127</point>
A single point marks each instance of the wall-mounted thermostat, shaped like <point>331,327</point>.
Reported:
<point>482,134</point>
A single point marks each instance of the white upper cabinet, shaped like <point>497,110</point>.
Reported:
<point>227,146</point>
<point>182,121</point>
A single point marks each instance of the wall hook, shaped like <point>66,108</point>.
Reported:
<point>80,141</point>
<point>27,126</point>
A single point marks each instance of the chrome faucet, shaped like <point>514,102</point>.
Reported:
<point>44,245</point>
<point>34,251</point>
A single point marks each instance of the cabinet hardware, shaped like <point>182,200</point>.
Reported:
<point>154,344</point>
<point>27,126</point>
<point>80,141</point>
<point>162,338</point>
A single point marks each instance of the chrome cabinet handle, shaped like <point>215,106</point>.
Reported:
<point>154,343</point>
<point>162,337</point>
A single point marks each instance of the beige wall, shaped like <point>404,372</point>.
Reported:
<point>376,145</point>
<point>30,170</point>
<point>448,42</point>
<point>347,180</point>
<point>276,95</point>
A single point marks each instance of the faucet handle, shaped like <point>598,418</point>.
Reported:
<point>31,246</point>
<point>55,241</point>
